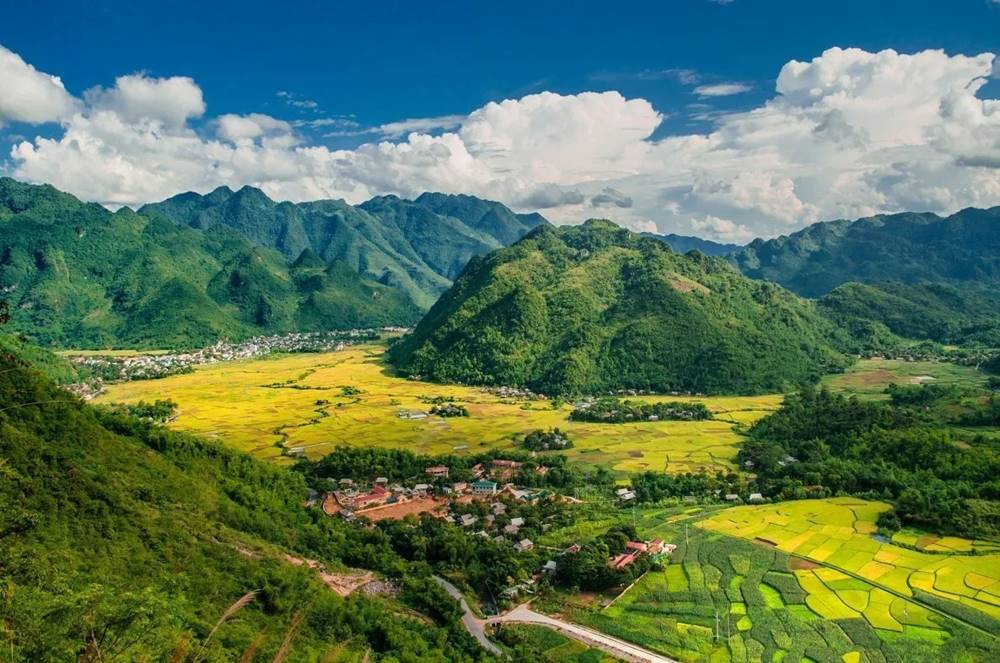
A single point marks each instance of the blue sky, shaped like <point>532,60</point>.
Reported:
<point>337,70</point>
<point>387,61</point>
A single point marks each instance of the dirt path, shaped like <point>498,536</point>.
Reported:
<point>523,614</point>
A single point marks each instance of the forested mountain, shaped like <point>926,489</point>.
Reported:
<point>417,246</point>
<point>120,540</point>
<point>908,247</point>
<point>595,307</point>
<point>953,313</point>
<point>76,274</point>
<point>684,243</point>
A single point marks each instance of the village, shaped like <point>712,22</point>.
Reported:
<point>488,505</point>
<point>99,369</point>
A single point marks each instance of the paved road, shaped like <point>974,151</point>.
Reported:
<point>523,614</point>
<point>472,623</point>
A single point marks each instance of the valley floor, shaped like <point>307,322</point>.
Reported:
<point>308,401</point>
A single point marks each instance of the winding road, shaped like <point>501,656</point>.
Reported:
<point>472,623</point>
<point>523,614</point>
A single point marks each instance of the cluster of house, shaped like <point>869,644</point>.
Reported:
<point>148,366</point>
<point>510,531</point>
<point>514,393</point>
<point>348,498</point>
<point>633,551</point>
<point>627,495</point>
<point>753,498</point>
<point>636,549</point>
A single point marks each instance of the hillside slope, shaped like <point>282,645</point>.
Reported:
<point>123,541</point>
<point>595,307</point>
<point>417,246</point>
<point>908,248</point>
<point>76,274</point>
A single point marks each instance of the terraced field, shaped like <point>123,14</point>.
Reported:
<point>733,598</point>
<point>301,401</point>
<point>837,533</point>
<point>723,599</point>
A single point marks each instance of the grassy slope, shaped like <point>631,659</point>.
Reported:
<point>595,307</point>
<point>141,538</point>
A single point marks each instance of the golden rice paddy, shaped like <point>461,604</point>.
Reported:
<point>837,533</point>
<point>256,405</point>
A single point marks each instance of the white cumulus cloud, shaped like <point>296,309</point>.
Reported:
<point>28,95</point>
<point>137,97</point>
<point>846,134</point>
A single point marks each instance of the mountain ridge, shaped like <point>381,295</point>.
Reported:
<point>909,247</point>
<point>416,245</point>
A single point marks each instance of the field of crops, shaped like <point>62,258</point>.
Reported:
<point>554,647</point>
<point>729,599</point>
<point>301,401</point>
<point>722,599</point>
<point>868,378</point>
<point>837,533</point>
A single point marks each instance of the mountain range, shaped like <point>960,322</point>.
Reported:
<point>907,247</point>
<point>184,272</point>
<point>593,308</point>
<point>193,268</point>
<point>416,246</point>
<point>684,243</point>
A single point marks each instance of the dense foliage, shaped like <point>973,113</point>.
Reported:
<point>876,314</point>
<point>596,308</point>
<point>684,243</point>
<point>364,464</point>
<point>907,247</point>
<point>654,487</point>
<point>79,275</point>
<point>120,540</point>
<point>546,440</point>
<point>904,451</point>
<point>446,410</point>
<point>588,568</point>
<point>615,411</point>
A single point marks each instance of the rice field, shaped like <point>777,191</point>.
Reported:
<point>837,534</point>
<point>868,378</point>
<point>738,598</point>
<point>724,599</point>
<point>300,401</point>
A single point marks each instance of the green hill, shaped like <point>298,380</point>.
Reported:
<point>595,307</point>
<point>78,275</point>
<point>120,540</point>
<point>907,248</point>
<point>416,246</point>
<point>953,313</point>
